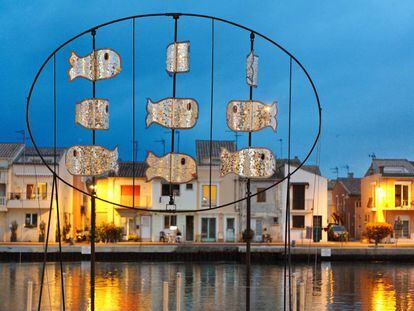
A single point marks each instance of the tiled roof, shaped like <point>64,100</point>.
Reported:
<point>203,149</point>
<point>126,169</point>
<point>32,156</point>
<point>351,185</point>
<point>10,150</point>
<point>391,167</point>
<point>314,169</point>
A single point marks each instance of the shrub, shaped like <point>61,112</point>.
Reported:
<point>13,229</point>
<point>247,235</point>
<point>108,232</point>
<point>378,231</point>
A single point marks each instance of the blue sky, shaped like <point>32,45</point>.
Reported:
<point>359,54</point>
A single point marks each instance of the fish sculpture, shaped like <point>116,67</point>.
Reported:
<point>176,113</point>
<point>176,168</point>
<point>98,65</point>
<point>248,162</point>
<point>252,69</point>
<point>178,57</point>
<point>91,160</point>
<point>250,116</point>
<point>93,113</point>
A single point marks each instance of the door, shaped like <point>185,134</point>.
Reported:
<point>145,228</point>
<point>405,229</point>
<point>317,228</point>
<point>258,232</point>
<point>208,229</point>
<point>189,228</point>
<point>230,230</point>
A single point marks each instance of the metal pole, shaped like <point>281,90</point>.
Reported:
<point>93,213</point>
<point>301,296</point>
<point>248,207</point>
<point>178,293</point>
<point>165,296</point>
<point>29,296</point>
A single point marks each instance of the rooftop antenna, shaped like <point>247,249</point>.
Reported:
<point>372,156</point>
<point>236,136</point>
<point>281,148</point>
<point>335,170</point>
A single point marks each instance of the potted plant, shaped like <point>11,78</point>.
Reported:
<point>378,231</point>
<point>13,229</point>
<point>42,228</point>
<point>247,235</point>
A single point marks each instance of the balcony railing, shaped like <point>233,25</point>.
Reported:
<point>2,200</point>
<point>28,196</point>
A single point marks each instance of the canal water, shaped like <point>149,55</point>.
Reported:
<point>211,286</point>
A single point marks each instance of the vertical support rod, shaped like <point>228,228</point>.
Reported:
<point>165,296</point>
<point>174,87</point>
<point>211,110</point>
<point>248,206</point>
<point>29,300</point>
<point>93,203</point>
<point>288,258</point>
<point>134,146</point>
<point>178,293</point>
<point>302,296</point>
<point>56,180</point>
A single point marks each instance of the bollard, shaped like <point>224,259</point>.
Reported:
<point>29,296</point>
<point>294,292</point>
<point>165,296</point>
<point>178,293</point>
<point>302,296</point>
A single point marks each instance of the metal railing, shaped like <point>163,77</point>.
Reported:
<point>28,196</point>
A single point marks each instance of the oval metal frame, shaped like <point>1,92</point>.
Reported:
<point>32,87</point>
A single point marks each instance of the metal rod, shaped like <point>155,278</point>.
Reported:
<point>133,114</point>
<point>178,293</point>
<point>248,206</point>
<point>29,300</point>
<point>211,111</point>
<point>165,296</point>
<point>174,89</point>
<point>93,203</point>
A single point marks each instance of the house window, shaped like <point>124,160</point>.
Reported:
<point>30,192</point>
<point>205,200</point>
<point>40,192</point>
<point>298,221</point>
<point>298,197</point>
<point>261,197</point>
<point>30,220</point>
<point>189,186</point>
<point>357,203</point>
<point>129,196</point>
<point>401,195</point>
<point>275,220</point>
<point>170,220</point>
<point>165,189</point>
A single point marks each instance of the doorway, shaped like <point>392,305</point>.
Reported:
<point>230,229</point>
<point>208,229</point>
<point>257,227</point>
<point>317,228</point>
<point>189,228</point>
<point>145,228</point>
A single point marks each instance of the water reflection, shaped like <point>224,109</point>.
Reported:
<point>219,286</point>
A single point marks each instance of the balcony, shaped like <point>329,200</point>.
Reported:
<point>22,200</point>
<point>140,201</point>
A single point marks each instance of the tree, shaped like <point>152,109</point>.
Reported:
<point>378,231</point>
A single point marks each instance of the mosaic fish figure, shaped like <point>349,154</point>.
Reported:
<point>250,116</point>
<point>252,69</point>
<point>248,162</point>
<point>176,168</point>
<point>93,113</point>
<point>178,57</point>
<point>91,160</point>
<point>98,65</point>
<point>177,113</point>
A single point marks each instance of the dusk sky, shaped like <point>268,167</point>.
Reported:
<point>358,53</point>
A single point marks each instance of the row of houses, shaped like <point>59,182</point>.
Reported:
<point>26,186</point>
<point>383,194</point>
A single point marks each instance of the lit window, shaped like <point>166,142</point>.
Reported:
<point>401,195</point>
<point>205,200</point>
<point>170,220</point>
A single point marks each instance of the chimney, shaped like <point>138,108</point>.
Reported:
<point>350,175</point>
